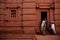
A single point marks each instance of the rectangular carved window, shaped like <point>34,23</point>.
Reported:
<point>13,13</point>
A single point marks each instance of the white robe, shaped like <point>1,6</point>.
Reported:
<point>53,28</point>
<point>42,25</point>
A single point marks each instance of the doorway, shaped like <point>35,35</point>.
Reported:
<point>43,15</point>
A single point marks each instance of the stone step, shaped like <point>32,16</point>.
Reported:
<point>28,37</point>
<point>16,37</point>
<point>47,37</point>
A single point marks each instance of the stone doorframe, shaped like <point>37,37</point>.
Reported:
<point>50,15</point>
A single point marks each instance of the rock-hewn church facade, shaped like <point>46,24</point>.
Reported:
<point>24,16</point>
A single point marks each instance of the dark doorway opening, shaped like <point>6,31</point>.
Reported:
<point>43,15</point>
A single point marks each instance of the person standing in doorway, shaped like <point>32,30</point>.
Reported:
<point>43,26</point>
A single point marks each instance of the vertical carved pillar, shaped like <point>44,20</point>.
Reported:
<point>51,15</point>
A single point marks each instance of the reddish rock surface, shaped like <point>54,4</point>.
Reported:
<point>24,17</point>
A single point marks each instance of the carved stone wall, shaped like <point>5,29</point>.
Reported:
<point>27,15</point>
